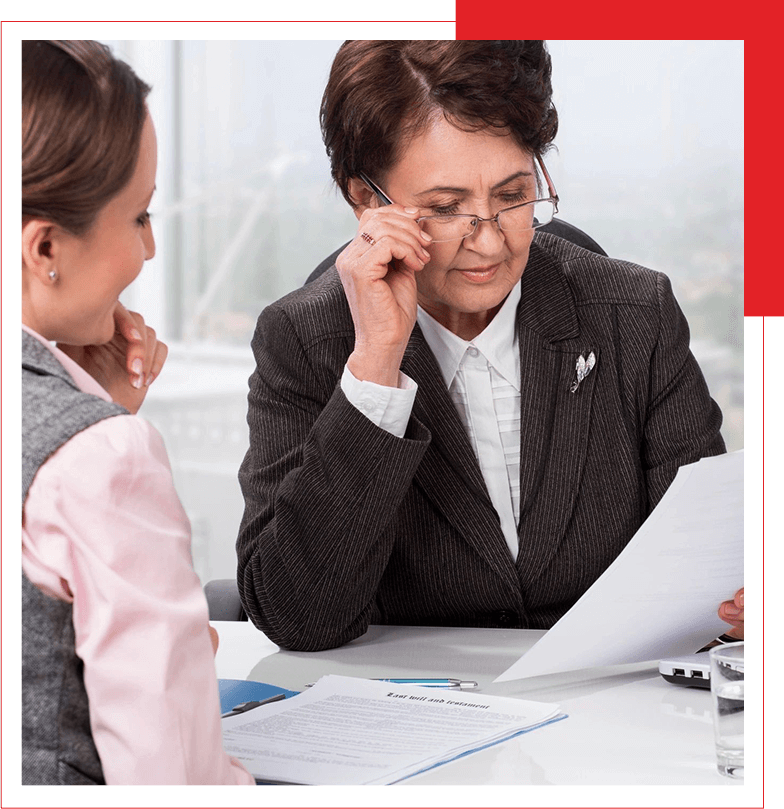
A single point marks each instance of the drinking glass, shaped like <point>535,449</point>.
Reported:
<point>726,665</point>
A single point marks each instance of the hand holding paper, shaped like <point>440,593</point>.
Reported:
<point>732,612</point>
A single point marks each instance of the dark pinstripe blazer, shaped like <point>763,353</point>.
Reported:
<point>347,525</point>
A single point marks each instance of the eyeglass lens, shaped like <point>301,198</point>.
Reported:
<point>519,218</point>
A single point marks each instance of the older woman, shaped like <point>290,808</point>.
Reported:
<point>118,678</point>
<point>465,421</point>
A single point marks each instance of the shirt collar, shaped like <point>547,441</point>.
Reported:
<point>83,380</point>
<point>498,342</point>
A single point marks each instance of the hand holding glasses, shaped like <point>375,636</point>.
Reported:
<point>451,227</point>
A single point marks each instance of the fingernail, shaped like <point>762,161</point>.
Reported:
<point>137,367</point>
<point>411,210</point>
<point>135,334</point>
<point>426,254</point>
<point>149,380</point>
<point>427,236</point>
<point>741,599</point>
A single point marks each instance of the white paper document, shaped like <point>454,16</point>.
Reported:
<point>660,596</point>
<point>346,730</point>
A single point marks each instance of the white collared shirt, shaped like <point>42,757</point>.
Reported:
<point>483,379</point>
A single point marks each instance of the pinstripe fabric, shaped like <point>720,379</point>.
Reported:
<point>346,524</point>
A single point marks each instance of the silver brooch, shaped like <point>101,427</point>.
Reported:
<point>583,369</point>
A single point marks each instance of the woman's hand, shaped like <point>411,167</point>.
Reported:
<point>378,270</point>
<point>732,613</point>
<point>214,639</point>
<point>128,363</point>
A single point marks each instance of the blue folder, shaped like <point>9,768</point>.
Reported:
<point>233,692</point>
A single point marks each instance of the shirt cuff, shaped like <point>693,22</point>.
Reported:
<point>387,408</point>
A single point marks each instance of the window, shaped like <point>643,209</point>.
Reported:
<point>649,163</point>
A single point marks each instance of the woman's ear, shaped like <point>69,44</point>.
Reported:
<point>39,251</point>
<point>362,197</point>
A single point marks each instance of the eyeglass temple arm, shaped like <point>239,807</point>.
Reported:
<point>550,187</point>
<point>375,189</point>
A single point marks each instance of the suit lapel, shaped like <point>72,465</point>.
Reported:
<point>554,427</point>
<point>449,473</point>
<point>554,422</point>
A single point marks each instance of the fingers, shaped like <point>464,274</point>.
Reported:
<point>145,354</point>
<point>732,612</point>
<point>130,325</point>
<point>159,358</point>
<point>387,234</point>
<point>127,323</point>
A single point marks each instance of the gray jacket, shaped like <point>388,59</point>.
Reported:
<point>57,744</point>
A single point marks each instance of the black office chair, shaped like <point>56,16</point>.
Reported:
<point>557,227</point>
<point>223,598</point>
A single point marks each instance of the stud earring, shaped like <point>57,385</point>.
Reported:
<point>52,275</point>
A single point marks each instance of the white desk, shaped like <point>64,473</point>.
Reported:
<point>626,724</point>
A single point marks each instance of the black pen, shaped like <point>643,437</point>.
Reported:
<point>249,706</point>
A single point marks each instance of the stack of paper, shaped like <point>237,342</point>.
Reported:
<point>346,730</point>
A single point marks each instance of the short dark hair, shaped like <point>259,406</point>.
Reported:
<point>82,117</point>
<point>382,91</point>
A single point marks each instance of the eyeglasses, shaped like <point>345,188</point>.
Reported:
<point>451,227</point>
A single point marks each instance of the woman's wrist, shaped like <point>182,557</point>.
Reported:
<point>381,367</point>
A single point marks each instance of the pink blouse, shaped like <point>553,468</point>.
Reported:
<point>104,529</point>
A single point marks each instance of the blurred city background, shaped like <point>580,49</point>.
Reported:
<point>648,162</point>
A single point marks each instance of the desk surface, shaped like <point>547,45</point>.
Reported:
<point>626,724</point>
